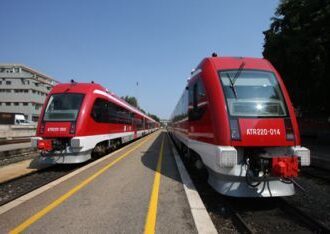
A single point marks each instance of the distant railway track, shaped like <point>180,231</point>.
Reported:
<point>14,141</point>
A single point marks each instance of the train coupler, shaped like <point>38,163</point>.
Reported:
<point>285,166</point>
<point>45,145</point>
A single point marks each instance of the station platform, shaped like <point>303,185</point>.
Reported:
<point>133,190</point>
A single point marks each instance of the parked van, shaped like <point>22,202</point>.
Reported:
<point>14,119</point>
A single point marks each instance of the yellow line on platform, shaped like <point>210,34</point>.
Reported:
<point>20,228</point>
<point>150,224</point>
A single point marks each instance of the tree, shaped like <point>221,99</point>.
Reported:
<point>155,117</point>
<point>131,100</point>
<point>298,45</point>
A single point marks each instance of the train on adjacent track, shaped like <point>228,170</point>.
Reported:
<point>235,119</point>
<point>84,120</point>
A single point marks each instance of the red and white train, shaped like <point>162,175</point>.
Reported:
<point>235,117</point>
<point>81,120</point>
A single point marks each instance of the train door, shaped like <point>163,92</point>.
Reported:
<point>134,125</point>
<point>199,119</point>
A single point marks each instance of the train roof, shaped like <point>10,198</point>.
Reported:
<point>74,87</point>
<point>223,63</point>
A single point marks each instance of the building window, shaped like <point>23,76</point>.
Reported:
<point>8,82</point>
<point>16,104</point>
<point>33,91</point>
<point>8,103</point>
<point>26,90</point>
<point>0,82</point>
<point>8,90</point>
<point>25,103</point>
<point>36,84</point>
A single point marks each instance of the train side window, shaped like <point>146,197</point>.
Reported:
<point>196,95</point>
<point>201,90</point>
<point>104,111</point>
<point>100,110</point>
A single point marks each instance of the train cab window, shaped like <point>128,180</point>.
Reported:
<point>253,94</point>
<point>63,107</point>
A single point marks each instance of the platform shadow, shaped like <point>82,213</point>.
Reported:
<point>151,155</point>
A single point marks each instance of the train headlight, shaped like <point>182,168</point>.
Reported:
<point>73,128</point>
<point>42,128</point>
<point>34,141</point>
<point>289,129</point>
<point>226,156</point>
<point>303,153</point>
<point>234,129</point>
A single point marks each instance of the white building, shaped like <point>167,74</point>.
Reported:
<point>23,90</point>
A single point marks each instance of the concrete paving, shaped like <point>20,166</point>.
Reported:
<point>117,201</point>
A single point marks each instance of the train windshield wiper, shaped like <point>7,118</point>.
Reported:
<point>232,85</point>
<point>233,80</point>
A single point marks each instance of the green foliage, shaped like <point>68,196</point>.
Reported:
<point>298,45</point>
<point>133,102</point>
<point>155,117</point>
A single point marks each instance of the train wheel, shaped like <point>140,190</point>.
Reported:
<point>99,150</point>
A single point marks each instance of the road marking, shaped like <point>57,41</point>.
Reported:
<point>150,224</point>
<point>20,228</point>
<point>200,215</point>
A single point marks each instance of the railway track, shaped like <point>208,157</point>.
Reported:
<point>20,186</point>
<point>317,173</point>
<point>14,141</point>
<point>313,224</point>
<point>252,215</point>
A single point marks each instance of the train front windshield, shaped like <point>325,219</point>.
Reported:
<point>252,93</point>
<point>63,107</point>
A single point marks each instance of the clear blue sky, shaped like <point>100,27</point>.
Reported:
<point>119,43</point>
